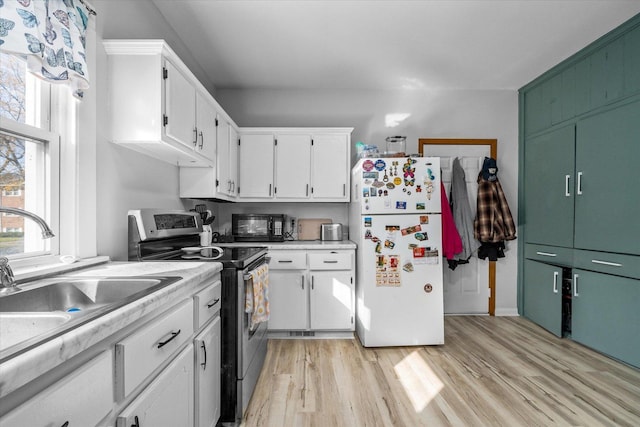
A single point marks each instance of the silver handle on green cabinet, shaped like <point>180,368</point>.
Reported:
<point>546,254</point>
<point>579,189</point>
<point>567,192</point>
<point>555,282</point>
<point>575,285</point>
<point>609,263</point>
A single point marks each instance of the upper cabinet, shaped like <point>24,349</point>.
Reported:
<point>157,106</point>
<point>295,164</point>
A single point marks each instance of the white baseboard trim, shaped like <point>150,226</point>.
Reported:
<point>507,312</point>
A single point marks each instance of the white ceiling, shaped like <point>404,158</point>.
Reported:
<point>387,44</point>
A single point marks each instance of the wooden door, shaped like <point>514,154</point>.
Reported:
<point>469,288</point>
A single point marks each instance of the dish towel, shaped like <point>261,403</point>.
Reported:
<point>257,296</point>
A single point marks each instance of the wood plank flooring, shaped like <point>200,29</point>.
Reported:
<point>492,371</point>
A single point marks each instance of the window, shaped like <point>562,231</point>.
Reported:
<point>29,161</point>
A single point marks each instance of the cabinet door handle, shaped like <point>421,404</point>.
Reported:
<point>311,282</point>
<point>307,191</point>
<point>330,261</point>
<point>136,422</point>
<point>555,282</point>
<point>204,349</point>
<point>215,301</point>
<point>201,140</point>
<point>195,137</point>
<point>173,335</point>
<point>575,285</point>
<point>546,254</point>
<point>285,261</point>
<point>611,264</point>
<point>579,189</point>
<point>567,192</point>
<point>344,189</point>
<point>303,282</point>
<point>270,190</point>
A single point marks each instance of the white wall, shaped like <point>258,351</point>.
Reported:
<point>433,114</point>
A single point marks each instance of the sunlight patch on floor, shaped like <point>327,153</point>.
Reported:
<point>420,383</point>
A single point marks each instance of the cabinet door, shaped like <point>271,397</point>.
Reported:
<point>223,138</point>
<point>256,174</point>
<point>543,295</point>
<point>605,314</point>
<point>330,167</point>
<point>548,188</point>
<point>607,208</point>
<point>233,160</point>
<point>293,162</point>
<point>207,375</point>
<point>632,61</point>
<point>168,400</point>
<point>331,300</point>
<point>206,125</point>
<point>180,107</point>
<point>288,300</point>
<point>81,399</point>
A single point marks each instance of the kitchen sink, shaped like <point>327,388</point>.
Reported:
<point>51,307</point>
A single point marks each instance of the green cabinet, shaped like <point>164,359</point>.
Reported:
<point>548,188</point>
<point>605,314</point>
<point>543,295</point>
<point>607,202</point>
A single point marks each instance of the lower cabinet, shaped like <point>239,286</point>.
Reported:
<point>83,398</point>
<point>168,400</point>
<point>605,314</point>
<point>207,375</point>
<point>311,290</point>
<point>543,295</point>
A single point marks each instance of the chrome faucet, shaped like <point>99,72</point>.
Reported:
<point>7,281</point>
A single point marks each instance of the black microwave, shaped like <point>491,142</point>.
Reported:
<point>258,227</point>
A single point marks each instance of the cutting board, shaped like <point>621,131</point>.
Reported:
<point>309,228</point>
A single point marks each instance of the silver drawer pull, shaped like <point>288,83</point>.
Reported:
<point>546,254</point>
<point>567,193</point>
<point>555,282</point>
<point>173,335</point>
<point>330,261</point>
<point>285,261</point>
<point>215,301</point>
<point>575,285</point>
<point>612,264</point>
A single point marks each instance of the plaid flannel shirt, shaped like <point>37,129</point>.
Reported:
<point>493,222</point>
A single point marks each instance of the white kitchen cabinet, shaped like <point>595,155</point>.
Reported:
<point>256,175</point>
<point>207,375</point>
<point>82,398</point>
<point>206,127</point>
<point>311,290</point>
<point>330,167</point>
<point>309,164</point>
<point>331,300</point>
<point>168,400</point>
<point>293,178</point>
<point>153,102</point>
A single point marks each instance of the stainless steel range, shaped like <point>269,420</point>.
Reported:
<point>160,235</point>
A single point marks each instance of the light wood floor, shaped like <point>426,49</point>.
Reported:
<point>492,371</point>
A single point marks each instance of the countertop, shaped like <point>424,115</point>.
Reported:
<point>19,370</point>
<point>296,244</point>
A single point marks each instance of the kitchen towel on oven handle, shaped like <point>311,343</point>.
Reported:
<point>257,296</point>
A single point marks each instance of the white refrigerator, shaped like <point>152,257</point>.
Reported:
<point>395,219</point>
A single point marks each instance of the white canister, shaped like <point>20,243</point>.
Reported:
<point>206,236</point>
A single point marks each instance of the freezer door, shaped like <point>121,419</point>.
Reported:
<point>398,185</point>
<point>399,287</point>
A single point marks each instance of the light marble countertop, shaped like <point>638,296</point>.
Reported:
<point>18,370</point>
<point>296,244</point>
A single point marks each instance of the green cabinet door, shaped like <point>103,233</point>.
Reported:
<point>607,204</point>
<point>548,188</point>
<point>543,295</point>
<point>605,314</point>
<point>632,61</point>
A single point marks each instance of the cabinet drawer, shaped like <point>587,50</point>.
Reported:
<point>207,303</point>
<point>288,260</point>
<point>549,254</point>
<point>138,355</point>
<point>333,260</point>
<point>81,399</point>
<point>603,262</point>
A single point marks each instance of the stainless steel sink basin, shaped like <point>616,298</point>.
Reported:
<point>54,306</point>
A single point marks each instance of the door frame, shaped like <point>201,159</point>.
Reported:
<point>493,150</point>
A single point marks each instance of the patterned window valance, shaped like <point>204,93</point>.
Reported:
<point>51,34</point>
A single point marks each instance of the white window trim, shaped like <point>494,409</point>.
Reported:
<point>52,215</point>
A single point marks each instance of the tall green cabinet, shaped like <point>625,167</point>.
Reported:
<point>579,201</point>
